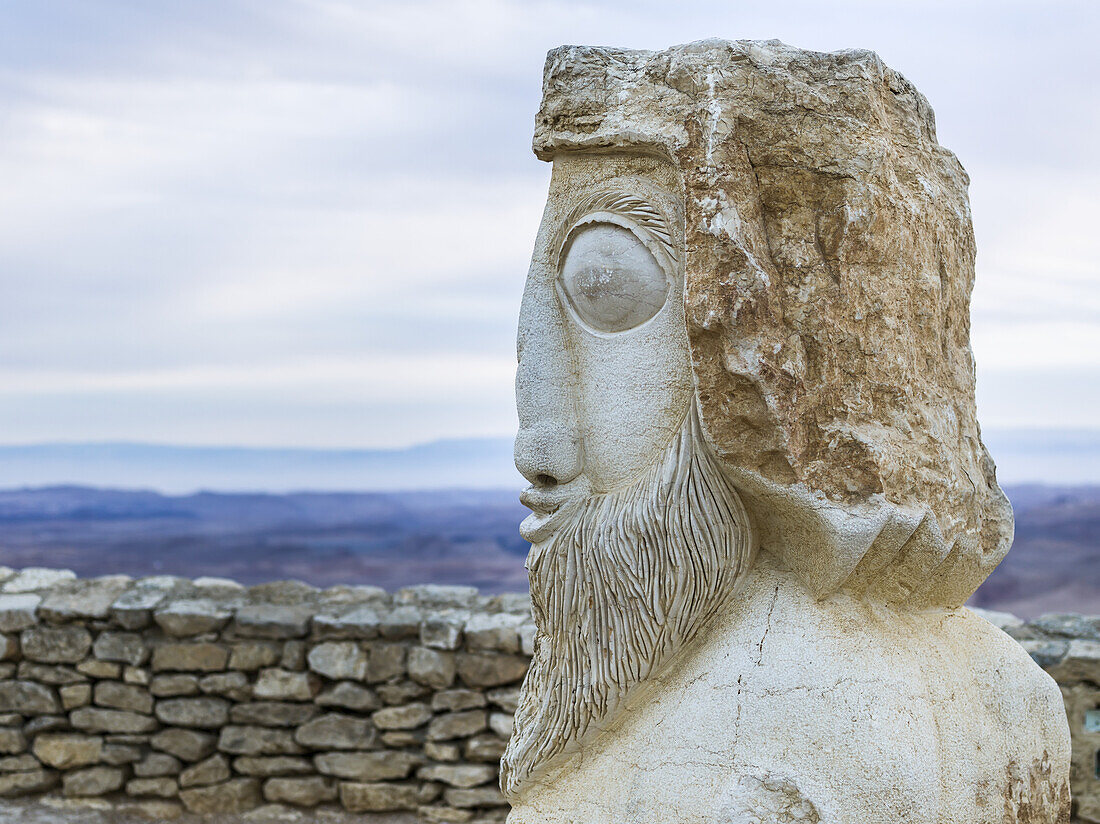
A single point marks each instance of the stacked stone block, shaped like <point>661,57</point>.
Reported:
<point>209,697</point>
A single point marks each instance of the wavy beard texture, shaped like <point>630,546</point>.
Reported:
<point>625,584</point>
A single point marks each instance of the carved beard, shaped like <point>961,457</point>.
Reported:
<point>628,581</point>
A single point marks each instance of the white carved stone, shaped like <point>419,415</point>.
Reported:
<point>759,495</point>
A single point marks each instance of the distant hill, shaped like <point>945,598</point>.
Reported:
<point>1054,564</point>
<point>476,463</point>
<point>385,539</point>
<point>1052,456</point>
<point>394,539</point>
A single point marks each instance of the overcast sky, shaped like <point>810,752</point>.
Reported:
<point>302,222</point>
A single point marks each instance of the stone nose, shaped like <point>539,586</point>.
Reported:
<point>549,454</point>
<point>548,449</point>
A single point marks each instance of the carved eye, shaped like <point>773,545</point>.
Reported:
<point>612,281</point>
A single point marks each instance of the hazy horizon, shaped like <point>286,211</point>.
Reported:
<point>1058,457</point>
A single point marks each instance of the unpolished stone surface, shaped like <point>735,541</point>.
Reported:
<point>99,669</point>
<point>174,685</point>
<point>478,797</point>
<point>507,698</point>
<point>307,792</point>
<point>134,609</point>
<point>460,699</point>
<point>430,667</point>
<point>272,713</point>
<point>93,781</point>
<point>24,783</point>
<point>338,660</point>
<point>119,696</point>
<point>485,747</point>
<point>385,661</point>
<point>35,578</point>
<point>457,725</point>
<point>367,766</point>
<point>184,618</point>
<point>458,775</point>
<point>12,741</point>
<point>209,713</point>
<point>394,693</point>
<point>233,685</point>
<point>18,612</point>
<point>437,596</point>
<point>490,670</point>
<point>337,732</point>
<point>163,787</point>
<point>124,647</point>
<point>235,796</point>
<point>201,657</point>
<point>249,740</point>
<point>271,621</point>
<point>64,751</point>
<point>442,750</point>
<point>45,723</point>
<point>501,723</point>
<point>402,718</point>
<point>19,763</point>
<point>494,632</point>
<point>361,623</point>
<point>273,765</point>
<point>212,770</point>
<point>401,623</point>
<point>283,685</point>
<point>187,745</point>
<point>54,674</point>
<point>442,632</point>
<point>56,645</point>
<point>93,719</point>
<point>374,797</point>
<point>156,765</point>
<point>118,753</point>
<point>28,698</point>
<point>254,655</point>
<point>350,696</point>
<point>84,600</point>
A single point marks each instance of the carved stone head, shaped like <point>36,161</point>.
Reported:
<point>746,323</point>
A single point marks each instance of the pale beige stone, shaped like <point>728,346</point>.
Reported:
<point>65,751</point>
<point>759,494</point>
<point>367,766</point>
<point>304,792</point>
<point>212,770</point>
<point>339,660</point>
<point>237,795</point>
<point>282,685</point>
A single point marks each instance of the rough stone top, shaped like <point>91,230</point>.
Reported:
<point>829,260</point>
<point>281,609</point>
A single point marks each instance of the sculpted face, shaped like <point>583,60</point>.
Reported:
<point>637,538</point>
<point>604,378</point>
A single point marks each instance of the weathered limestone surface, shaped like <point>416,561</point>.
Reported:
<point>759,494</point>
<point>166,699</point>
<point>458,737</point>
<point>829,264</point>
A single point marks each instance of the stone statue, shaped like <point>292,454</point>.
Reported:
<point>759,492</point>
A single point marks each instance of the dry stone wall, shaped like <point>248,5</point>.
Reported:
<point>174,696</point>
<point>170,697</point>
<point>1068,648</point>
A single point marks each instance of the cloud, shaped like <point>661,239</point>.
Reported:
<point>308,221</point>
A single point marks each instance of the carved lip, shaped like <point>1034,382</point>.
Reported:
<point>547,511</point>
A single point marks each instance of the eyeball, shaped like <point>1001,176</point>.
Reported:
<point>610,278</point>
